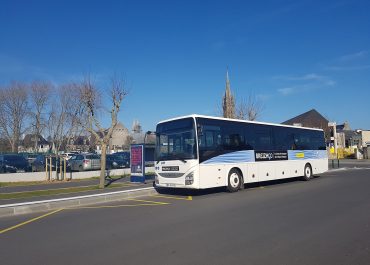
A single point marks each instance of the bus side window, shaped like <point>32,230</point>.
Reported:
<point>291,142</point>
<point>263,140</point>
<point>209,139</point>
<point>294,144</point>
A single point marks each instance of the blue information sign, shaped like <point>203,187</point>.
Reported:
<point>137,163</point>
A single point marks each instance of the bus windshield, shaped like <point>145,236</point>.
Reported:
<point>176,140</point>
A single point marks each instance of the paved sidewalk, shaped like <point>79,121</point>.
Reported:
<point>349,163</point>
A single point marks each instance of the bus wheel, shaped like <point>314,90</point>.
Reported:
<point>234,180</point>
<point>307,172</point>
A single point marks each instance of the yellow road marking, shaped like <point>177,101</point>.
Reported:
<point>144,203</point>
<point>29,221</point>
<point>188,198</point>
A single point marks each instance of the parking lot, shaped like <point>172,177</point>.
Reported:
<point>323,221</point>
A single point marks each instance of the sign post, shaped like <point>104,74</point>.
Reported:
<point>137,163</point>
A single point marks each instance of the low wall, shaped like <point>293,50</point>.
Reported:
<point>41,176</point>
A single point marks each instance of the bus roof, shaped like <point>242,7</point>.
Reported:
<point>237,120</point>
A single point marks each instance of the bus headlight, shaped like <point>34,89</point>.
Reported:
<point>189,179</point>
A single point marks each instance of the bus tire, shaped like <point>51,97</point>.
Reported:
<point>234,180</point>
<point>307,175</point>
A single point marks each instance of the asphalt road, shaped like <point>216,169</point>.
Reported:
<point>323,221</point>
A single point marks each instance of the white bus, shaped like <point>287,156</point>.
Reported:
<point>200,152</point>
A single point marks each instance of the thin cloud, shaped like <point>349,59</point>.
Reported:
<point>264,97</point>
<point>330,83</point>
<point>303,83</point>
<point>287,90</point>
<point>347,68</point>
<point>306,77</point>
<point>353,56</point>
<point>349,62</point>
<point>16,69</point>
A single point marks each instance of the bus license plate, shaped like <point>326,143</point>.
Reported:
<point>170,168</point>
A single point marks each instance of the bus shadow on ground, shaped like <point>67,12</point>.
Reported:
<point>275,182</point>
<point>188,192</point>
<point>191,192</point>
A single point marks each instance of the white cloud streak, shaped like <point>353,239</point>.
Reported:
<point>353,56</point>
<point>306,77</point>
<point>303,83</point>
<point>350,62</point>
<point>287,90</point>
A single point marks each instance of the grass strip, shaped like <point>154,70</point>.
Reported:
<point>43,182</point>
<point>38,193</point>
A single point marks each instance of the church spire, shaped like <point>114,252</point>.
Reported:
<point>228,91</point>
<point>228,103</point>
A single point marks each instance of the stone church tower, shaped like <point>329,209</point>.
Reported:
<point>228,103</point>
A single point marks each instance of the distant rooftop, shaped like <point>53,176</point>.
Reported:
<point>311,118</point>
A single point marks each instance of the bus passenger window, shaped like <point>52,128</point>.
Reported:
<point>209,139</point>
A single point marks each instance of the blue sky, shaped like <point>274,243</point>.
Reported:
<point>293,55</point>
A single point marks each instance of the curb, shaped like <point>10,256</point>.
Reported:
<point>337,169</point>
<point>53,204</point>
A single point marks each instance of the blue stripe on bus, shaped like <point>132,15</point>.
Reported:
<point>248,156</point>
<point>306,154</point>
<point>233,157</point>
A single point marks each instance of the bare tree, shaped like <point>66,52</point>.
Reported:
<point>4,145</point>
<point>13,112</point>
<point>129,140</point>
<point>249,109</point>
<point>63,122</point>
<point>90,99</point>
<point>39,98</point>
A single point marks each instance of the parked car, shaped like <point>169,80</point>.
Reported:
<point>83,162</point>
<point>118,160</point>
<point>40,163</point>
<point>31,157</point>
<point>69,155</point>
<point>13,163</point>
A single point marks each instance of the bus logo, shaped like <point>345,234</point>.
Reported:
<point>271,155</point>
